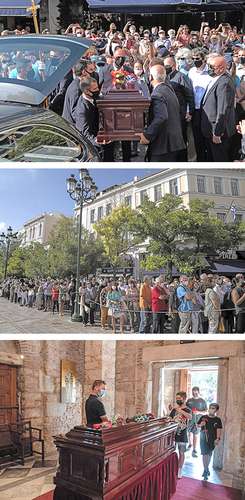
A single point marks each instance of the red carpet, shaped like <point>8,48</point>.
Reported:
<point>46,496</point>
<point>190,489</point>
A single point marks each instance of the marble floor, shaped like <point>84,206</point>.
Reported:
<point>29,481</point>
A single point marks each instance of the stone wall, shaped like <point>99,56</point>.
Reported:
<point>40,386</point>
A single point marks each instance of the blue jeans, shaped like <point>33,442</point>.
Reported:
<point>145,321</point>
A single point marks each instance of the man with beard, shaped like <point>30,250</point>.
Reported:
<point>163,134</point>
<point>86,114</point>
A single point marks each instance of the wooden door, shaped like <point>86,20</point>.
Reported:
<point>8,394</point>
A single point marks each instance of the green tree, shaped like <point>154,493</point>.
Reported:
<point>117,233</point>
<point>183,237</point>
<point>17,261</point>
<point>1,262</point>
<point>36,261</point>
<point>161,225</point>
<point>62,249</point>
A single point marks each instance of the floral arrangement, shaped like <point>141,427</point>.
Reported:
<point>141,417</point>
<point>119,78</point>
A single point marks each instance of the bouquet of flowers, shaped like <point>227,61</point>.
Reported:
<point>119,78</point>
<point>103,425</point>
<point>141,417</point>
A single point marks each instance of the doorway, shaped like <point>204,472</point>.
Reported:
<point>182,376</point>
<point>8,394</point>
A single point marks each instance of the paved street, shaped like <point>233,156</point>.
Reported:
<point>16,319</point>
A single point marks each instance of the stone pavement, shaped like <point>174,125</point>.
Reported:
<point>16,319</point>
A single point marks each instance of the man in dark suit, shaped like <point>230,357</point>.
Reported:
<point>86,114</point>
<point>218,123</point>
<point>185,95</point>
<point>74,91</point>
<point>163,134</point>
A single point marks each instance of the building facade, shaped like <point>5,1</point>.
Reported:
<point>38,229</point>
<point>225,188</point>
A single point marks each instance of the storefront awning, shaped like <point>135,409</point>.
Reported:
<point>228,268</point>
<point>16,8</point>
<point>161,6</point>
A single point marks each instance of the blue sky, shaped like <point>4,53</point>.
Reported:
<point>26,193</point>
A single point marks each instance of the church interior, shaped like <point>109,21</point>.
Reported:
<point>44,386</point>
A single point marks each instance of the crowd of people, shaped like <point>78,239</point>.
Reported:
<point>194,79</point>
<point>207,304</point>
<point>195,418</point>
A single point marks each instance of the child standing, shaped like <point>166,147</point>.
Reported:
<point>211,426</point>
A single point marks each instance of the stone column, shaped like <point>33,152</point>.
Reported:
<point>234,447</point>
<point>100,363</point>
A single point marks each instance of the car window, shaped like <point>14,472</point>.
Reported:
<point>36,62</point>
<point>39,143</point>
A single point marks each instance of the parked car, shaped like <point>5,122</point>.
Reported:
<point>31,70</point>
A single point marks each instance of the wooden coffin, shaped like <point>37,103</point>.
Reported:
<point>100,464</point>
<point>122,115</point>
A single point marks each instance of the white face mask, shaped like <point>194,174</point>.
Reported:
<point>138,72</point>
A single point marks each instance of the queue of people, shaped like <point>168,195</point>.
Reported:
<point>194,79</point>
<point>208,304</point>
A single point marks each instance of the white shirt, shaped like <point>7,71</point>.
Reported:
<point>200,81</point>
<point>240,71</point>
<point>88,99</point>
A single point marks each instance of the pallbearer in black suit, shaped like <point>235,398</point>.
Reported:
<point>74,91</point>
<point>218,110</point>
<point>86,114</point>
<point>164,134</point>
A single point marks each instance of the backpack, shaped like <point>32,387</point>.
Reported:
<point>175,299</point>
<point>227,304</point>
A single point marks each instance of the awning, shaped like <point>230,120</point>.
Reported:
<point>230,267</point>
<point>161,6</point>
<point>12,8</point>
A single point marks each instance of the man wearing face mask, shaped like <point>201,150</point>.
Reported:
<point>86,114</point>
<point>181,414</point>
<point>184,92</point>
<point>200,79</point>
<point>218,123</point>
<point>240,69</point>
<point>74,91</point>
<point>94,408</point>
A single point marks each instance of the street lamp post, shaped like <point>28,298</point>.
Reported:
<point>81,192</point>
<point>6,239</point>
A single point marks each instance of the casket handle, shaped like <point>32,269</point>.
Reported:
<point>107,471</point>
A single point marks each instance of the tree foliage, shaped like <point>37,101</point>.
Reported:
<point>117,233</point>
<point>182,237</point>
<point>58,258</point>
